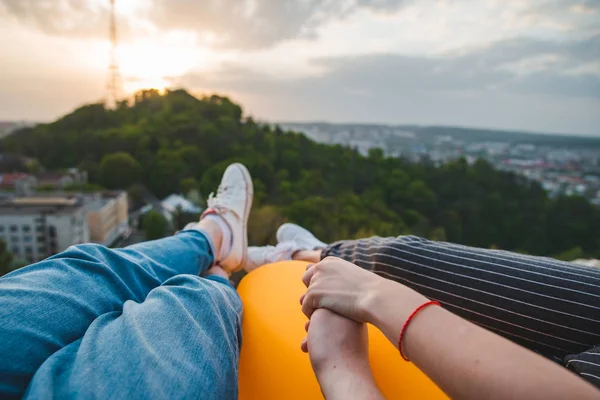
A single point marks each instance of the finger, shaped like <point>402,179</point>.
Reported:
<point>306,325</point>
<point>308,266</point>
<point>304,345</point>
<point>302,298</point>
<point>307,277</point>
<point>307,305</point>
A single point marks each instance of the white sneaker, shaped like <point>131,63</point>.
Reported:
<point>259,256</point>
<point>302,238</point>
<point>233,203</point>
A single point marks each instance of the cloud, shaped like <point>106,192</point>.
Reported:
<point>562,6</point>
<point>250,24</point>
<point>576,17</point>
<point>64,17</point>
<point>466,89</point>
<point>241,24</point>
<point>505,65</point>
<point>259,24</point>
<point>77,19</point>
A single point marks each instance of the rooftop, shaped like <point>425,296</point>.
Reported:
<point>44,201</point>
<point>97,201</point>
<point>11,179</point>
<point>40,205</point>
<point>175,201</point>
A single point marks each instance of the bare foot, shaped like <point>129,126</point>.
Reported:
<point>339,354</point>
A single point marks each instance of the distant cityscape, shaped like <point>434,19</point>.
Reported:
<point>44,212</point>
<point>563,165</point>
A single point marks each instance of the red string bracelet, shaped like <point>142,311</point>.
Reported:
<point>410,317</point>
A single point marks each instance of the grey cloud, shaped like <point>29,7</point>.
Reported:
<point>243,24</point>
<point>480,71</point>
<point>465,89</point>
<point>252,24</point>
<point>562,6</point>
<point>62,17</point>
<point>580,17</point>
<point>258,23</point>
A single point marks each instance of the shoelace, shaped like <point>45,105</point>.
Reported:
<point>219,202</point>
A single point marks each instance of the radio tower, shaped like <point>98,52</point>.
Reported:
<point>115,84</point>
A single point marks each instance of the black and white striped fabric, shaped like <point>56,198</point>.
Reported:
<point>549,306</point>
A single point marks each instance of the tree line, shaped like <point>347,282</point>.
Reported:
<point>176,143</point>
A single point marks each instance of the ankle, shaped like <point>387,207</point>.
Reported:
<point>217,271</point>
<point>313,256</point>
<point>215,234</point>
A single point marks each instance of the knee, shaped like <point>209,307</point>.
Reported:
<point>221,296</point>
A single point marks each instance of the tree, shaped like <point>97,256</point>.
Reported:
<point>189,184</point>
<point>438,234</point>
<point>571,254</point>
<point>6,259</point>
<point>119,170</point>
<point>175,142</point>
<point>135,195</point>
<point>34,166</point>
<point>263,225</point>
<point>420,197</point>
<point>182,218</point>
<point>155,225</point>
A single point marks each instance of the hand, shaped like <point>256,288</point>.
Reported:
<point>339,354</point>
<point>335,341</point>
<point>358,294</point>
<point>339,286</point>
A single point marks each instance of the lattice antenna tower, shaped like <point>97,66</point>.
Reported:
<point>115,83</point>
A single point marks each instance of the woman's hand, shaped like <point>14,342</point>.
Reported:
<point>355,293</point>
<point>476,363</point>
<point>339,286</point>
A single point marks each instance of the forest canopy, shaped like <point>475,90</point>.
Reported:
<point>175,141</point>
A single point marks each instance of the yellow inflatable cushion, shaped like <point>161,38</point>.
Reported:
<point>272,366</point>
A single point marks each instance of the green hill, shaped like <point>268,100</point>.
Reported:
<point>176,141</point>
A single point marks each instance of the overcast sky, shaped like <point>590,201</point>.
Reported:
<point>511,64</point>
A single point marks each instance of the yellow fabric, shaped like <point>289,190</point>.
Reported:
<point>272,366</point>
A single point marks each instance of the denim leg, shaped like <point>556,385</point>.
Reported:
<point>182,342</point>
<point>51,304</point>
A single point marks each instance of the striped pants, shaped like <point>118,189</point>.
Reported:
<point>548,306</point>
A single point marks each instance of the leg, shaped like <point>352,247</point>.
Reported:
<point>293,243</point>
<point>543,304</point>
<point>50,304</point>
<point>183,341</point>
<point>313,256</point>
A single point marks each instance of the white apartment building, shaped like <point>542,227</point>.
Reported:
<point>107,216</point>
<point>37,227</point>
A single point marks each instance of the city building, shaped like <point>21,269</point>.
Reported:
<point>37,227</point>
<point>14,181</point>
<point>61,180</point>
<point>107,216</point>
<point>175,201</point>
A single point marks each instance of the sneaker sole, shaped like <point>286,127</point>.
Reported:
<point>247,207</point>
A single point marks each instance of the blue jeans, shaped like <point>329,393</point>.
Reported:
<point>131,323</point>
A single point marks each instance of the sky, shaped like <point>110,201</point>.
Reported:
<point>530,65</point>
